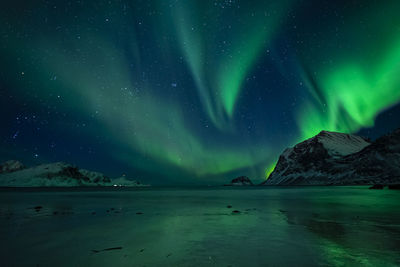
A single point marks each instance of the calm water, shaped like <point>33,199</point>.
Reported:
<point>307,226</point>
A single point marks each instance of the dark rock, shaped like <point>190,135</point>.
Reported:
<point>236,211</point>
<point>229,206</point>
<point>377,186</point>
<point>241,180</point>
<point>394,186</point>
<point>139,213</point>
<point>106,249</point>
<point>70,172</point>
<point>38,208</point>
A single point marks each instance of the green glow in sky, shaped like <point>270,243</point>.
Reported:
<point>198,88</point>
<point>219,73</point>
<point>353,84</point>
<point>139,121</point>
<point>353,95</point>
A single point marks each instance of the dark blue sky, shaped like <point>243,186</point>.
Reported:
<point>192,92</point>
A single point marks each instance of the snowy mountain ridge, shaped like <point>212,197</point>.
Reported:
<point>14,174</point>
<point>331,158</point>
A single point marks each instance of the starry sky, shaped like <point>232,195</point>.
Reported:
<point>192,91</point>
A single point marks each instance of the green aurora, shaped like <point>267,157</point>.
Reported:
<point>350,93</point>
<point>199,88</point>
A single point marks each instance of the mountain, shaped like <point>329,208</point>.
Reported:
<point>240,181</point>
<point>11,166</point>
<point>14,174</point>
<point>332,158</point>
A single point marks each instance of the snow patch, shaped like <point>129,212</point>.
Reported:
<point>340,144</point>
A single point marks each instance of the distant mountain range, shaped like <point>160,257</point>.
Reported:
<point>329,158</point>
<point>332,158</point>
<point>14,174</point>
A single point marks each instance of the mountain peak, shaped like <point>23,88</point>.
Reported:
<point>339,158</point>
<point>341,144</point>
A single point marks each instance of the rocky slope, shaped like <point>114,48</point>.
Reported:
<point>11,166</point>
<point>14,174</point>
<point>331,158</point>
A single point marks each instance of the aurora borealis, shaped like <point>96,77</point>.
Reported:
<point>192,91</point>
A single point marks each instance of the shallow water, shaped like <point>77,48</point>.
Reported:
<point>301,226</point>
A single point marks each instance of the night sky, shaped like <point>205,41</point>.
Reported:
<point>192,91</point>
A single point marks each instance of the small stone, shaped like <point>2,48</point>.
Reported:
<point>38,208</point>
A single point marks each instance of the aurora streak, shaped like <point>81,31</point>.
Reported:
<point>193,90</point>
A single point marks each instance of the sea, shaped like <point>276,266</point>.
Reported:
<point>200,226</point>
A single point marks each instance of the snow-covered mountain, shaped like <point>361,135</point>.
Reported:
<point>331,158</point>
<point>14,174</point>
